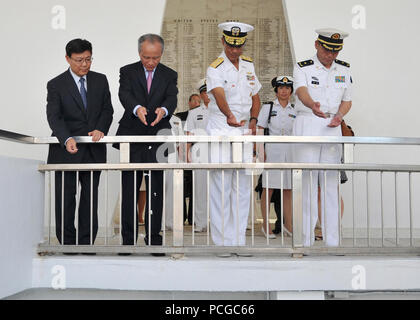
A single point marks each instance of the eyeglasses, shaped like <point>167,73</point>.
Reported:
<point>81,60</point>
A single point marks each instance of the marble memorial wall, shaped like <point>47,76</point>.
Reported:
<point>193,41</point>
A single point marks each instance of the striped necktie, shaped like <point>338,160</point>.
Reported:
<point>83,92</point>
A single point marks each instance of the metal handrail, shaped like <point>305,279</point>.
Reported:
<point>236,141</point>
<point>220,166</point>
<point>19,138</point>
<point>16,137</point>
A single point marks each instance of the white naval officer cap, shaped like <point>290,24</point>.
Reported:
<point>201,85</point>
<point>331,39</point>
<point>235,33</point>
<point>282,81</point>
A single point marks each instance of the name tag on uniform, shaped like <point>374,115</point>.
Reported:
<point>199,117</point>
<point>340,79</point>
<point>273,113</point>
<point>315,82</point>
<point>292,116</point>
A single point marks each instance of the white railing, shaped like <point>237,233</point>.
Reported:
<point>379,221</point>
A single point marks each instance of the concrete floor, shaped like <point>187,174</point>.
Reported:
<point>93,294</point>
<point>254,237</point>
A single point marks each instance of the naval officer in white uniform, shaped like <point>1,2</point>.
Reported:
<point>233,110</point>
<point>324,96</point>
<point>278,117</point>
<point>196,124</point>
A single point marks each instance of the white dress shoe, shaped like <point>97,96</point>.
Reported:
<point>286,232</point>
<point>243,254</point>
<point>224,255</point>
<point>270,236</point>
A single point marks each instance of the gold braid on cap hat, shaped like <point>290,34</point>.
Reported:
<point>235,41</point>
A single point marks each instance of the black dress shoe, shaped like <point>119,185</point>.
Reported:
<point>70,253</point>
<point>276,231</point>
<point>158,254</point>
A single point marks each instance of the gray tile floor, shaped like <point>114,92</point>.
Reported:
<point>94,294</point>
<point>254,238</point>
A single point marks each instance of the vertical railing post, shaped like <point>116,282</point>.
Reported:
<point>47,198</point>
<point>348,155</point>
<point>124,152</point>
<point>178,208</point>
<point>297,210</point>
<point>237,152</point>
<point>124,158</point>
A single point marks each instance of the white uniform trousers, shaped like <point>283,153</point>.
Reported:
<point>200,199</point>
<point>310,125</point>
<point>199,154</point>
<point>169,197</point>
<point>230,193</point>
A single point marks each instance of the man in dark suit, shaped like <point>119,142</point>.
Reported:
<point>148,92</point>
<point>78,104</point>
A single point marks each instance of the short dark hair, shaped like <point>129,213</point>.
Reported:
<point>193,95</point>
<point>285,85</point>
<point>78,46</point>
<point>152,38</point>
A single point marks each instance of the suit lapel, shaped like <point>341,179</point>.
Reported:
<point>141,76</point>
<point>156,81</point>
<point>74,91</point>
<point>90,90</point>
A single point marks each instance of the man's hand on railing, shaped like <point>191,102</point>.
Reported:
<point>96,135</point>
<point>71,146</point>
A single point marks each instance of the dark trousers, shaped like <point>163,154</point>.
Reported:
<point>130,197</point>
<point>86,213</point>
<point>276,198</point>
<point>188,193</point>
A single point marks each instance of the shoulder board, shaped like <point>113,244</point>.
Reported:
<point>343,63</point>
<point>268,102</point>
<point>306,63</point>
<point>217,62</point>
<point>245,58</point>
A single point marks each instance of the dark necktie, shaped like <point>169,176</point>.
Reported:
<point>83,91</point>
<point>149,81</point>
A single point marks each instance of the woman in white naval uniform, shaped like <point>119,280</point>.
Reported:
<point>280,123</point>
<point>233,89</point>
<point>196,124</point>
<point>323,87</point>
